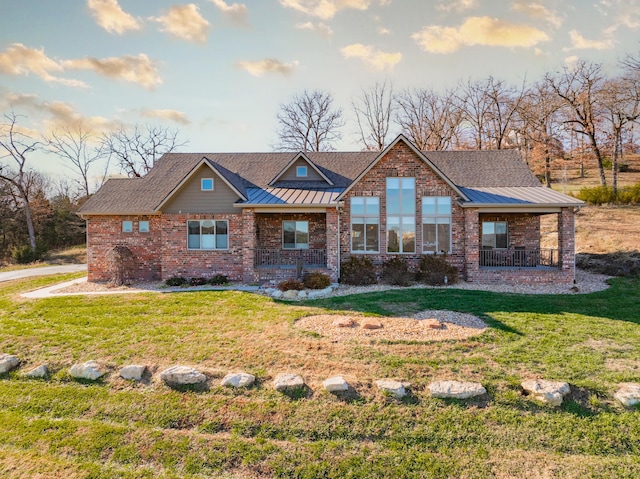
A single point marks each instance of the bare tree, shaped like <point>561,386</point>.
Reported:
<point>373,109</point>
<point>578,87</point>
<point>539,112</point>
<point>429,119</point>
<point>309,123</point>
<point>17,145</point>
<point>136,151</point>
<point>620,100</point>
<point>81,148</point>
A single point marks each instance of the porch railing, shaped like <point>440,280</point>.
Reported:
<point>519,258</point>
<point>282,258</point>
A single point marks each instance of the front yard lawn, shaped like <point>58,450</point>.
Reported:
<point>114,429</point>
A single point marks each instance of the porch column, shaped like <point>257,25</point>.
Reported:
<point>333,240</point>
<point>471,243</point>
<point>566,240</point>
<point>248,244</point>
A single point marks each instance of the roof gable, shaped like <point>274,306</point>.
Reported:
<point>296,159</point>
<point>418,153</point>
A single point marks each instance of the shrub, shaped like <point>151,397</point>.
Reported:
<point>396,271</point>
<point>433,269</point>
<point>197,281</point>
<point>597,195</point>
<point>24,254</point>
<point>358,270</point>
<point>316,280</point>
<point>176,281</point>
<point>218,279</point>
<point>291,284</point>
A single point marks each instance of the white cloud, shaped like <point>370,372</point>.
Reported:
<point>135,69</point>
<point>172,115</point>
<point>110,16</point>
<point>627,12</point>
<point>321,28</point>
<point>268,65</point>
<point>185,22</point>
<point>456,5</point>
<point>237,12</point>
<point>384,31</point>
<point>18,59</point>
<point>539,11</point>
<point>377,59</point>
<point>578,42</point>
<point>485,31</point>
<point>572,60</point>
<point>325,9</point>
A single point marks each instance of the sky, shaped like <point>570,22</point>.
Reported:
<point>218,70</point>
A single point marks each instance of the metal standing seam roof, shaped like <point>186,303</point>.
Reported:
<point>291,196</point>
<point>518,196</point>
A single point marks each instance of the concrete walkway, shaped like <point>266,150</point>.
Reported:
<point>43,271</point>
<point>51,290</point>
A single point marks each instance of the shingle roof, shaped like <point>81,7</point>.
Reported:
<point>475,172</point>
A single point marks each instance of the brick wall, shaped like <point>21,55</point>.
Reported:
<point>523,229</point>
<point>105,232</point>
<point>269,229</point>
<point>401,161</point>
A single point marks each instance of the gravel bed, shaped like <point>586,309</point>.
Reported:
<point>454,326</point>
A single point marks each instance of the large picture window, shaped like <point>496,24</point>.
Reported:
<point>365,224</point>
<point>401,215</point>
<point>208,234</point>
<point>436,224</point>
<point>495,234</point>
<point>295,234</point>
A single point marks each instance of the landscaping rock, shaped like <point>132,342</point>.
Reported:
<point>302,295</point>
<point>182,375</point>
<point>628,394</point>
<point>238,380</point>
<point>133,372</point>
<point>431,323</point>
<point>8,362</point>
<point>456,389</point>
<point>290,295</point>
<point>288,382</point>
<point>90,370</point>
<point>270,291</point>
<point>395,388</point>
<point>320,293</point>
<point>343,322</point>
<point>335,384</point>
<point>39,372</point>
<point>370,323</point>
<point>277,294</point>
<point>550,392</point>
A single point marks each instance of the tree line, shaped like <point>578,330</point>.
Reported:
<point>578,112</point>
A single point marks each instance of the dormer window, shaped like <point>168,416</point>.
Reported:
<point>206,184</point>
<point>301,171</point>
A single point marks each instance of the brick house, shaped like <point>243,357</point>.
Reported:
<point>263,216</point>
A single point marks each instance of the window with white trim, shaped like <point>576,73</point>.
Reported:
<point>127,226</point>
<point>301,171</point>
<point>365,224</point>
<point>436,224</point>
<point>208,234</point>
<point>495,234</point>
<point>401,215</point>
<point>295,234</point>
<point>206,184</point>
<point>143,226</point>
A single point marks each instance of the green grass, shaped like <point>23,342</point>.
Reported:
<point>62,428</point>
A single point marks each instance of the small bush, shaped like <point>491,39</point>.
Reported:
<point>197,281</point>
<point>218,280</point>
<point>598,195</point>
<point>358,270</point>
<point>176,281</point>
<point>396,271</point>
<point>24,254</point>
<point>316,280</point>
<point>433,269</point>
<point>291,284</point>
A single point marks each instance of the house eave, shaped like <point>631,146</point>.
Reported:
<point>519,208</point>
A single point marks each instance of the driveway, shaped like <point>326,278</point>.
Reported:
<point>45,270</point>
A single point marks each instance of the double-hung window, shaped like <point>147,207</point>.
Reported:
<point>208,234</point>
<point>436,224</point>
<point>295,234</point>
<point>495,234</point>
<point>401,215</point>
<point>365,224</point>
